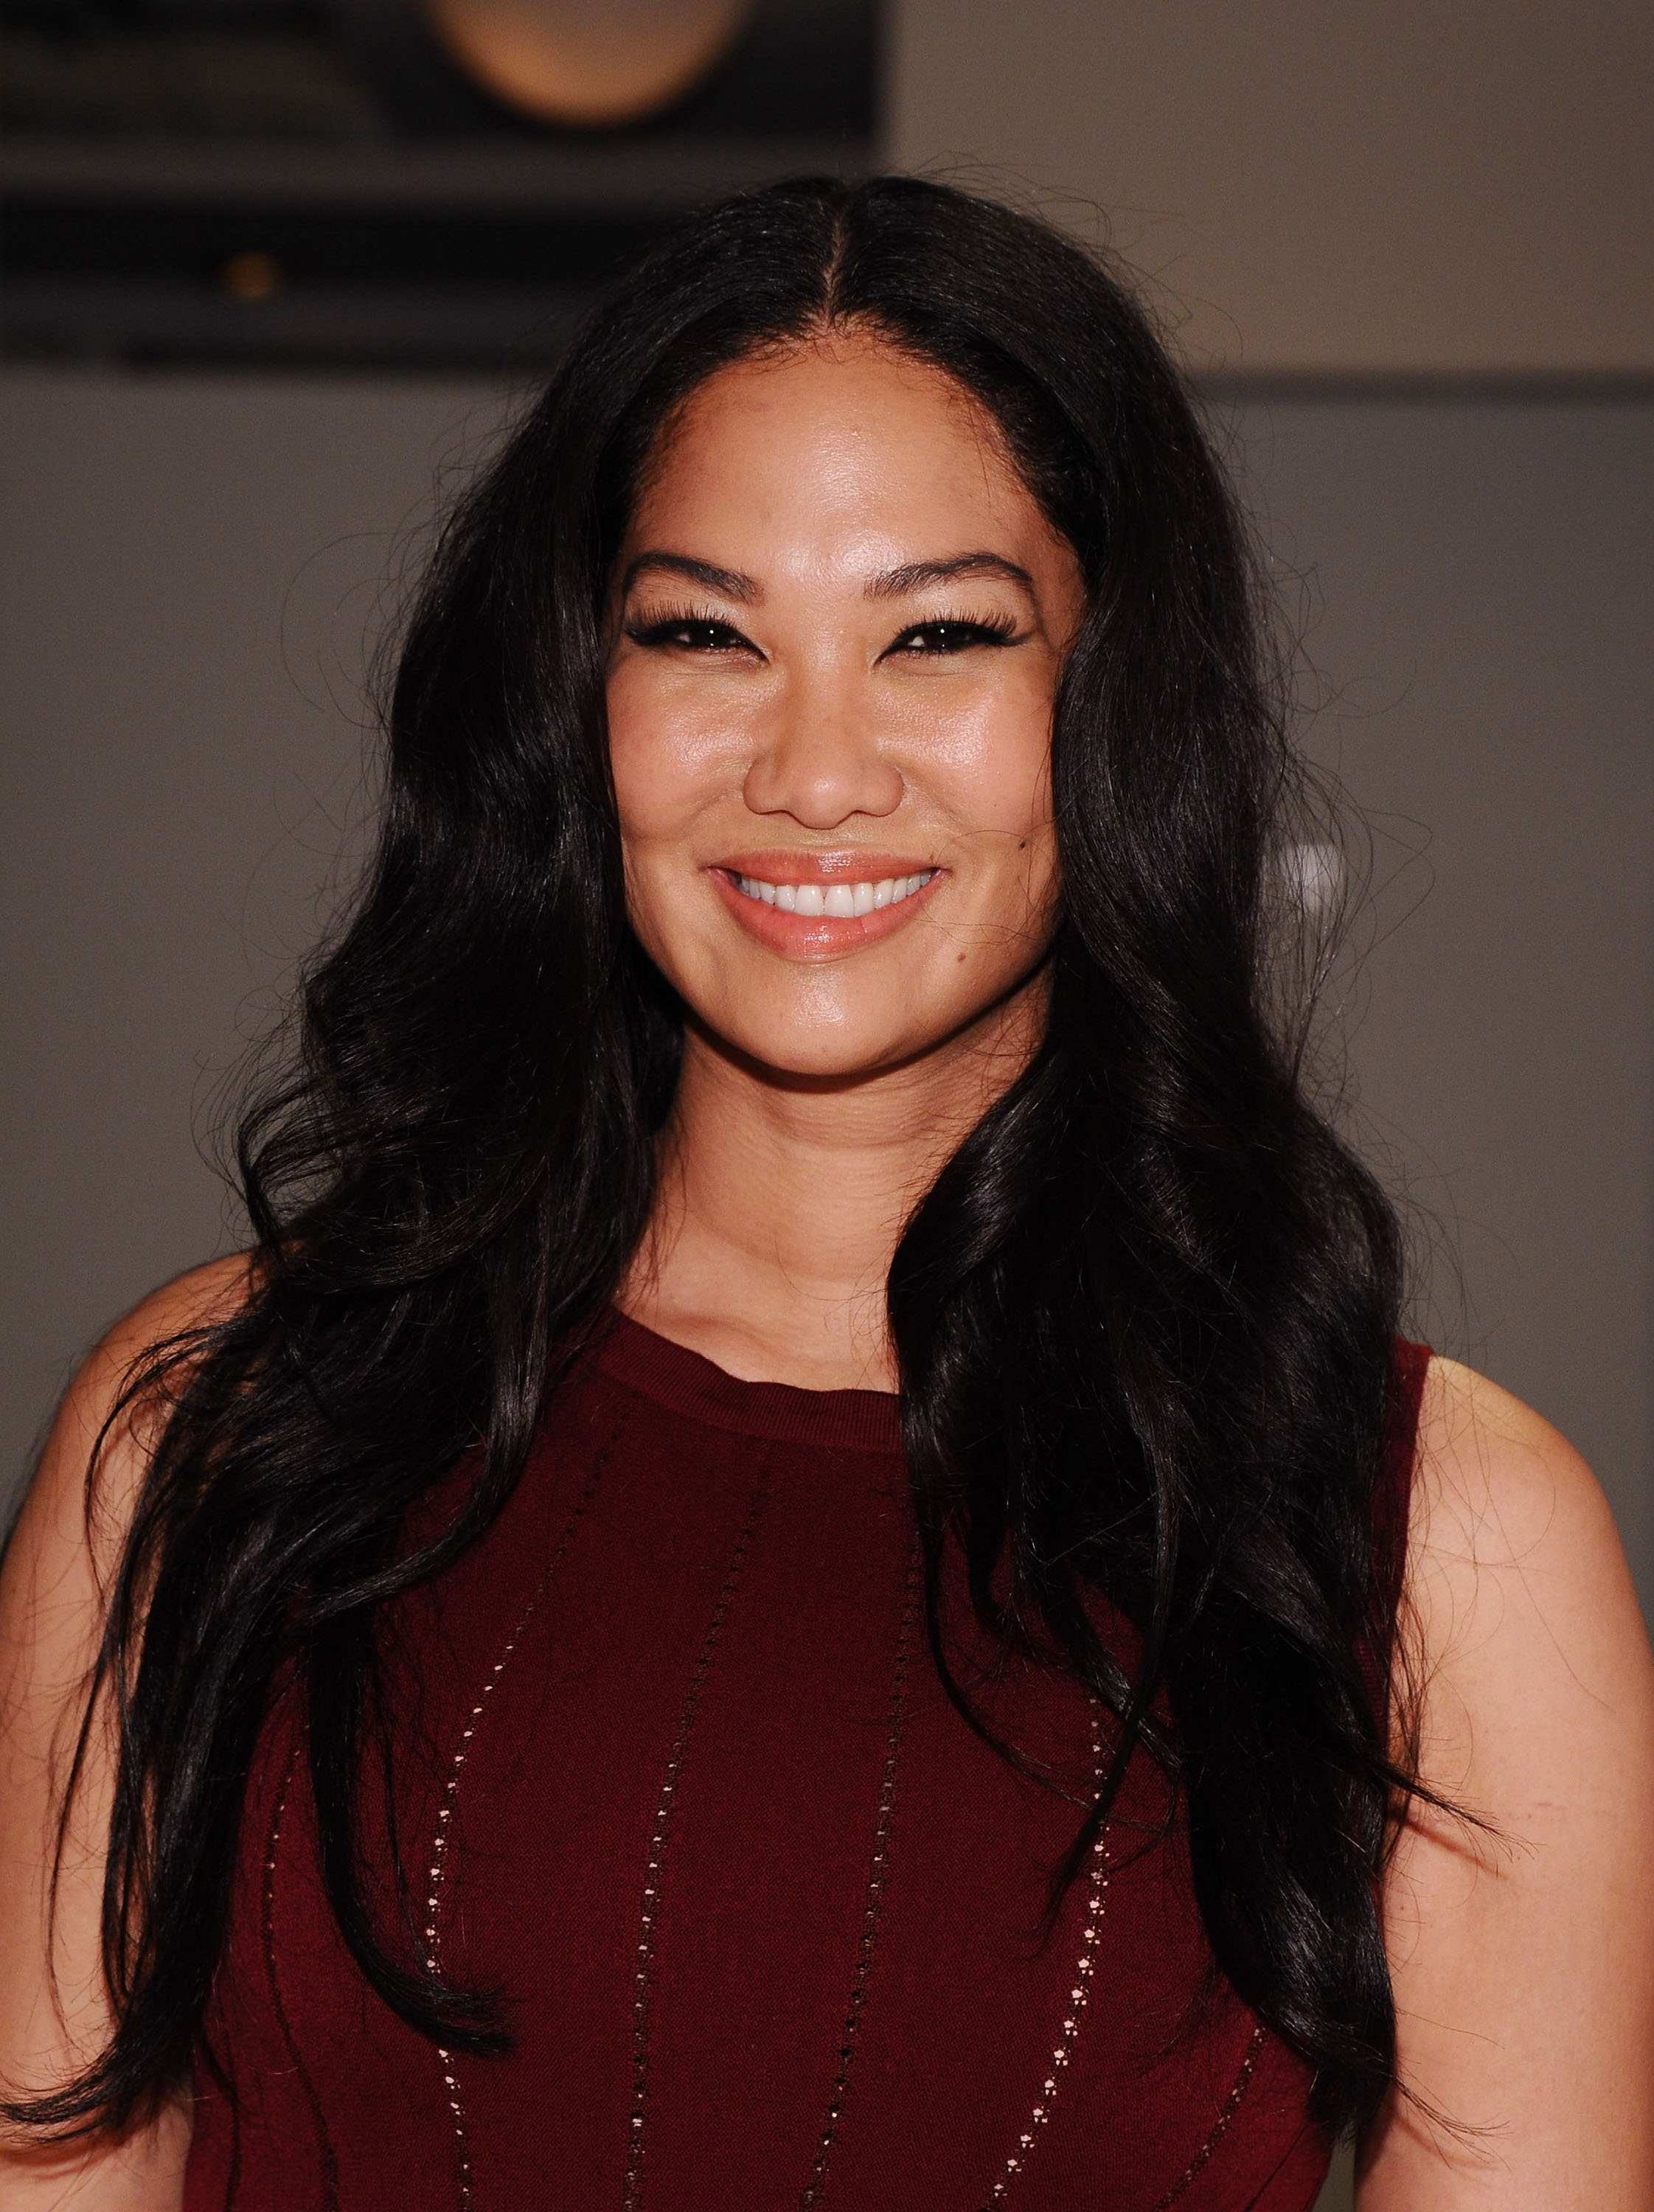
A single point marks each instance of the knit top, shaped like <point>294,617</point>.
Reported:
<point>675,1778</point>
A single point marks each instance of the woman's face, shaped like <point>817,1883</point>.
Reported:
<point>840,622</point>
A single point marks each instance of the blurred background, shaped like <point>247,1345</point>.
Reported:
<point>277,272</point>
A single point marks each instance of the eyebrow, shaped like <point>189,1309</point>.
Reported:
<point>730,581</point>
<point>893,584</point>
<point>896,583</point>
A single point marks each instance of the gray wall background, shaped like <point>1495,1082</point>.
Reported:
<point>194,569</point>
<point>1386,186</point>
<point>191,568</point>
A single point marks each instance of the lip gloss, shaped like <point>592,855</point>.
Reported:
<point>818,905</point>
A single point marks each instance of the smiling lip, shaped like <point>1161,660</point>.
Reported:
<point>870,895</point>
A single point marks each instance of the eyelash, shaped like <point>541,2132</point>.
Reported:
<point>976,629</point>
<point>665,628</point>
<point>660,628</point>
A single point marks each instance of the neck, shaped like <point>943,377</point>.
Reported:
<point>783,1198</point>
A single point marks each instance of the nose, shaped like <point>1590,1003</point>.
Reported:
<point>819,759</point>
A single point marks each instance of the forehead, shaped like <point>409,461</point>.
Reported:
<point>843,433</point>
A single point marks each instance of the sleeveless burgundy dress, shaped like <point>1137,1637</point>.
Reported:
<point>675,1777</point>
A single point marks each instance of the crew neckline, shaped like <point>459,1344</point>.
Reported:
<point>688,1382</point>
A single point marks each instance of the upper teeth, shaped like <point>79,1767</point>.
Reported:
<point>841,899</point>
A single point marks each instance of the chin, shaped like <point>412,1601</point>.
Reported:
<point>792,1042</point>
<point>834,1060</point>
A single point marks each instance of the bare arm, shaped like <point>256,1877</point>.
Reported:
<point>1523,1962</point>
<point>54,2015</point>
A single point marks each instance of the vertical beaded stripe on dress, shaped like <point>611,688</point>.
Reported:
<point>763,1914</point>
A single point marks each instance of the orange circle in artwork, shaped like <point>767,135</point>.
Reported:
<point>589,63</point>
<point>252,276</point>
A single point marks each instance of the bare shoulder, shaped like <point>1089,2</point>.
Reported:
<point>53,2005</point>
<point>193,1301</point>
<point>1487,1461</point>
<point>65,1541</point>
<point>1520,1599</point>
<point>1522,1949</point>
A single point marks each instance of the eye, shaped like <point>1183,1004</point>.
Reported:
<point>688,632</point>
<point>951,634</point>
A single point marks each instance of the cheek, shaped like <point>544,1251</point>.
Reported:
<point>669,755</point>
<point>652,797</point>
<point>674,761</point>
<point>998,763</point>
<point>989,760</point>
<point>645,758</point>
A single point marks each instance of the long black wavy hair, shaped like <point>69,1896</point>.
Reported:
<point>1144,1319</point>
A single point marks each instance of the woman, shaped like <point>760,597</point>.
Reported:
<point>780,1577</point>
